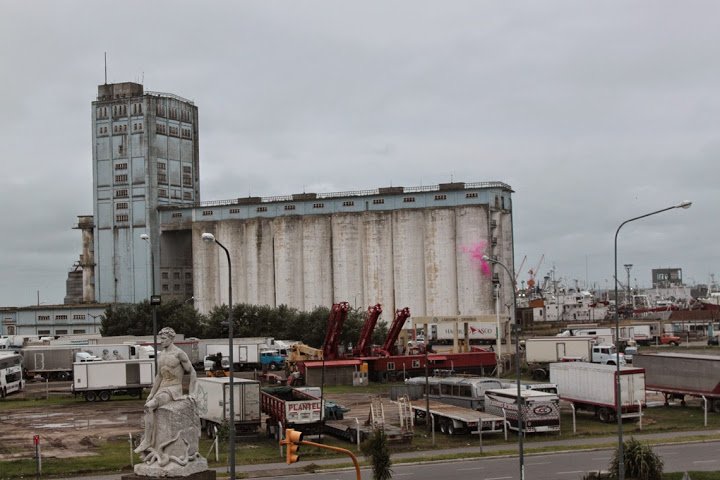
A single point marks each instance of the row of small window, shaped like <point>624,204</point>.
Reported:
<point>163,193</point>
<point>176,276</point>
<point>173,131</point>
<point>77,316</point>
<point>178,287</point>
<point>173,113</point>
<point>62,332</point>
<point>347,203</point>
<point>186,181</point>
<point>122,128</point>
<point>120,110</point>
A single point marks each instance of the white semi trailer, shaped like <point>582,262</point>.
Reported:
<point>101,379</point>
<point>213,401</point>
<point>592,387</point>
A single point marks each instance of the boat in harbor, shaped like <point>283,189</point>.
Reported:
<point>711,302</point>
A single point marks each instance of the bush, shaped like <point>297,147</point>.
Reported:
<point>376,448</point>
<point>641,463</point>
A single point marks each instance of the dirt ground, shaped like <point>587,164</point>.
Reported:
<point>72,430</point>
<point>65,430</point>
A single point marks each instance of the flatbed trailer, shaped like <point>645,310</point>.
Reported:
<point>452,419</point>
<point>348,429</point>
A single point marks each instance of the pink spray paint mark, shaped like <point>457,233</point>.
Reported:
<point>476,252</point>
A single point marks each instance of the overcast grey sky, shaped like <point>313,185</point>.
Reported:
<point>594,112</point>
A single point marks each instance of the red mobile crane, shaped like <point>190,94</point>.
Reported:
<point>338,314</point>
<point>394,332</point>
<point>363,346</point>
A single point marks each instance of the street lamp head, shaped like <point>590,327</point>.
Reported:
<point>486,258</point>
<point>685,204</point>
<point>208,237</point>
<point>145,237</point>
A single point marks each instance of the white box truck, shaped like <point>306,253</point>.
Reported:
<point>213,401</point>
<point>245,356</point>
<point>53,362</point>
<point>101,379</point>
<point>592,387</point>
<point>540,352</point>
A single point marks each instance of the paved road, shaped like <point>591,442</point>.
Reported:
<point>508,465</point>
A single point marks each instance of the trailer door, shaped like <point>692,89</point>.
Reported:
<point>251,402</point>
<point>80,374</point>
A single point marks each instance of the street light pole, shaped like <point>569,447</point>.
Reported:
<point>516,329</point>
<point>210,238</point>
<point>146,237</point>
<point>618,406</point>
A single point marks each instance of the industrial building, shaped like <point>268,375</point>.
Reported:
<point>414,247</point>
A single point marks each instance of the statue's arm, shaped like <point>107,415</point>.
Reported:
<point>188,368</point>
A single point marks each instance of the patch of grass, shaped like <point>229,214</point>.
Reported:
<point>693,475</point>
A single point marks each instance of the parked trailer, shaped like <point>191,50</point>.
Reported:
<point>213,401</point>
<point>593,387</point>
<point>101,379</point>
<point>246,355</point>
<point>463,391</point>
<point>676,375</point>
<point>540,352</point>
<point>291,408</point>
<point>540,410</point>
<point>10,373</point>
<point>360,423</point>
<point>453,419</point>
<point>53,362</point>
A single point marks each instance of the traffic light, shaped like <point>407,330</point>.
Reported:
<point>292,443</point>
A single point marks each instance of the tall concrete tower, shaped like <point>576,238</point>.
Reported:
<point>145,155</point>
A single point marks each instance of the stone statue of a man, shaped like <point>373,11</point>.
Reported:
<point>172,426</point>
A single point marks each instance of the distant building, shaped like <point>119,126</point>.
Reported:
<point>52,320</point>
<point>400,246</point>
<point>666,277</point>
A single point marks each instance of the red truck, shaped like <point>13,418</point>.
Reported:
<point>291,407</point>
<point>669,339</point>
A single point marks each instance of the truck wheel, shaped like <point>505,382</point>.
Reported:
<point>451,428</point>
<point>716,405</point>
<point>539,374</point>
<point>443,427</point>
<point>90,396</point>
<point>2,392</point>
<point>604,415</point>
<point>351,435</point>
<point>210,430</point>
<point>104,396</point>
<point>673,344</point>
<point>273,366</point>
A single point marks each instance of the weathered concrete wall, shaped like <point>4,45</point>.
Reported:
<point>440,262</point>
<point>474,288</point>
<point>347,258</point>
<point>419,258</point>
<point>409,260</point>
<point>377,263</point>
<point>317,271</point>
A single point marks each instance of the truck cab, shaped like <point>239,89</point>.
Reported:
<point>271,359</point>
<point>607,355</point>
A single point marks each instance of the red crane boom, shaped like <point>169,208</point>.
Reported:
<point>364,342</point>
<point>338,314</point>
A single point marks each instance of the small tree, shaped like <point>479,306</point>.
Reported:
<point>641,463</point>
<point>376,448</point>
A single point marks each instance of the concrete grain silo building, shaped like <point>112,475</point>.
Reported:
<point>401,247</point>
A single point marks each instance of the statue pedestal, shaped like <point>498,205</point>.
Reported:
<point>206,475</point>
<point>174,453</point>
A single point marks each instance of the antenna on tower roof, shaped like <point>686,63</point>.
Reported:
<point>105,68</point>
